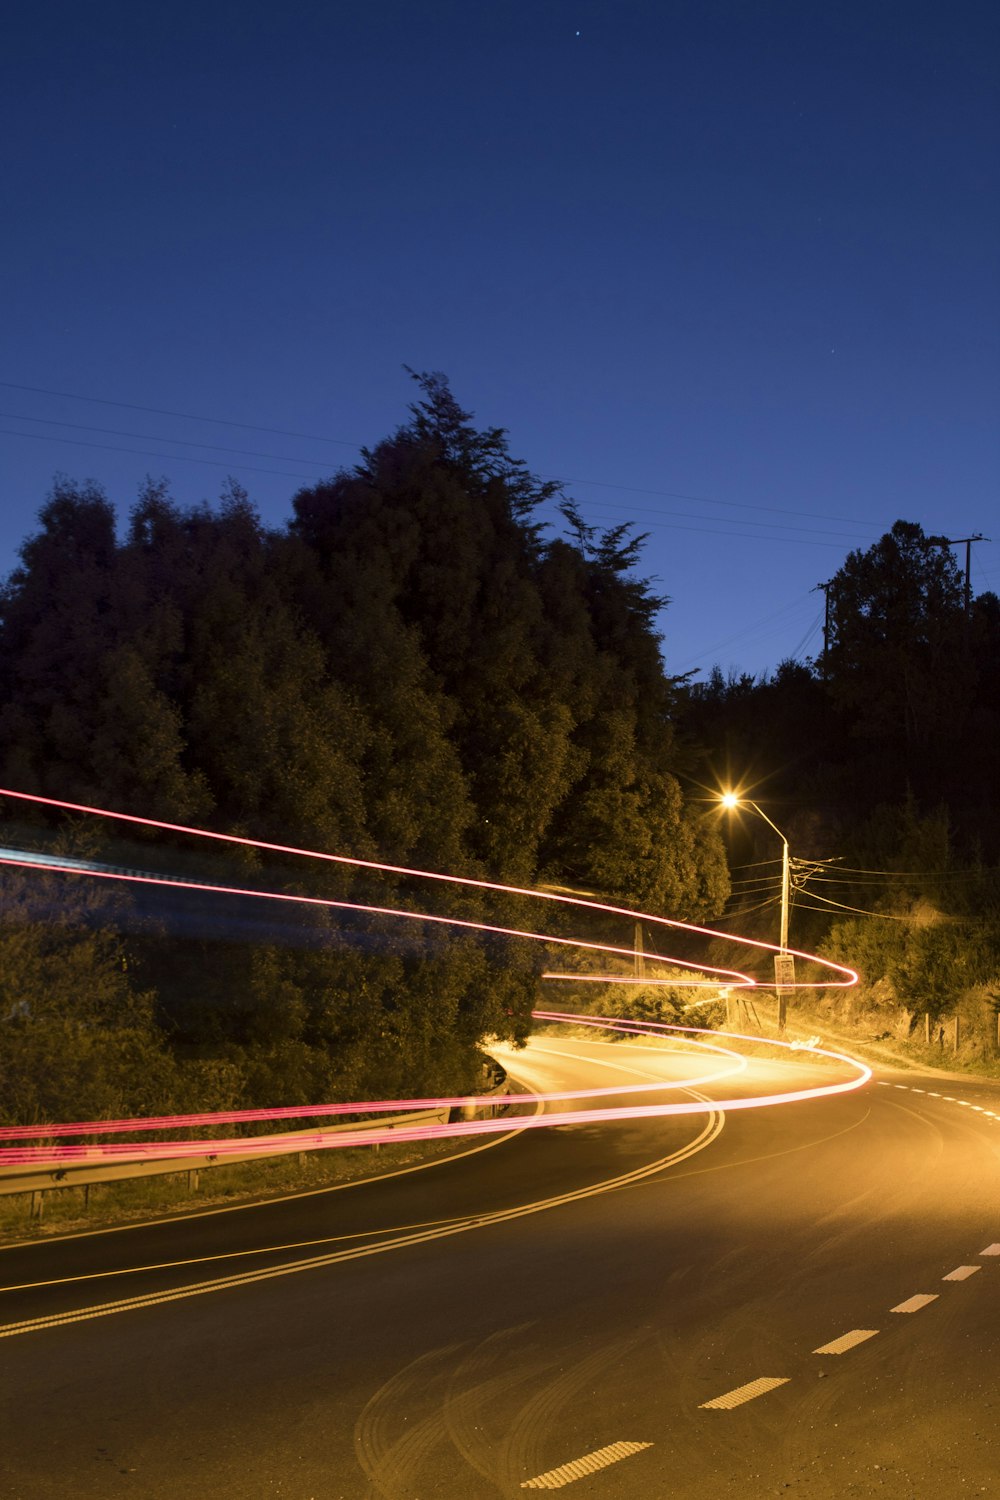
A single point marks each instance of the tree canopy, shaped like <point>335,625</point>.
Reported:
<point>408,671</point>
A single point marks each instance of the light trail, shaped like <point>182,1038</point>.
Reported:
<point>273,1145</point>
<point>849,976</point>
<point>300,1141</point>
<point>645,981</point>
<point>736,1064</point>
<point>65,865</point>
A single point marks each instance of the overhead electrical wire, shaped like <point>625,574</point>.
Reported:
<point>146,437</point>
<point>317,470</point>
<point>886,916</point>
<point>840,906</point>
<point>631,489</point>
<point>357,446</point>
<point>809,540</point>
<point>809,636</point>
<point>187,416</point>
<point>989,871</point>
<point>746,911</point>
<point>183,458</point>
<point>747,631</point>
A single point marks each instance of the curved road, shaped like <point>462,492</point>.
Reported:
<point>618,1310</point>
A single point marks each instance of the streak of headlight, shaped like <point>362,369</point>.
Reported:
<point>736,1064</point>
<point>850,977</point>
<point>63,866</point>
<point>307,1141</point>
<point>304,1141</point>
<point>644,983</point>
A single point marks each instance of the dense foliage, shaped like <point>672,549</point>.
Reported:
<point>407,672</point>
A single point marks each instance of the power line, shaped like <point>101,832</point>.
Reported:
<point>184,458</point>
<point>859,910</point>
<point>707,500</point>
<point>803,643</point>
<point>748,630</point>
<point>145,437</point>
<point>316,467</point>
<point>918,874</point>
<point>349,443</point>
<point>157,411</point>
<point>746,911</point>
<point>811,538</point>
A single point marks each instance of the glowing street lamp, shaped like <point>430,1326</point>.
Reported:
<point>731,800</point>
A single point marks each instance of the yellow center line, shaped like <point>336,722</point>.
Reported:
<point>714,1124</point>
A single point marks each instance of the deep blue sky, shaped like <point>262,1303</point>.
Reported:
<point>729,268</point>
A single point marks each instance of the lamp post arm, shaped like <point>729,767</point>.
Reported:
<point>767,820</point>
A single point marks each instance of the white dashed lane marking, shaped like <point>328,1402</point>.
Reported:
<point>745,1393</point>
<point>846,1341</point>
<point>856,1336</point>
<point>911,1088</point>
<point>914,1304</point>
<point>554,1479</point>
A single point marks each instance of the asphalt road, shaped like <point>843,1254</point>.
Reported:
<point>485,1327</point>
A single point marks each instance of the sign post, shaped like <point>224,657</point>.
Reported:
<point>784,980</point>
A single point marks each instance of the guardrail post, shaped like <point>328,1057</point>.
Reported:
<point>37,1203</point>
<point>927,1027</point>
<point>193,1181</point>
<point>956,1030</point>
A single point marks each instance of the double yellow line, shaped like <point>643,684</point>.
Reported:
<point>402,1238</point>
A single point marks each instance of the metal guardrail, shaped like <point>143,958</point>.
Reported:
<point>80,1173</point>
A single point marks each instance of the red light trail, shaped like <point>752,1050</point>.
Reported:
<point>849,976</point>
<point>65,866</point>
<point>272,1145</point>
<point>300,1141</point>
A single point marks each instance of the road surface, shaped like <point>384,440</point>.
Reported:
<point>630,1309</point>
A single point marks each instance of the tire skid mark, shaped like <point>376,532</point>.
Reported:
<point>465,1410</point>
<point>386,1463</point>
<point>520,1452</point>
<point>392,1459</point>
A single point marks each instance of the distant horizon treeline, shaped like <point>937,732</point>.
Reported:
<point>406,672</point>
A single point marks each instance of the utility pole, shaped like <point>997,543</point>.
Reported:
<point>785,903</point>
<point>966,542</point>
<point>826,587</point>
<point>784,963</point>
<point>640,961</point>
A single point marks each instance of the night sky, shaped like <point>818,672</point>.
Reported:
<point>730,268</point>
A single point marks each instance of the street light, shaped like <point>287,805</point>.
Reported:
<point>732,800</point>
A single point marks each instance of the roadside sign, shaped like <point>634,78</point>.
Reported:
<point>784,972</point>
